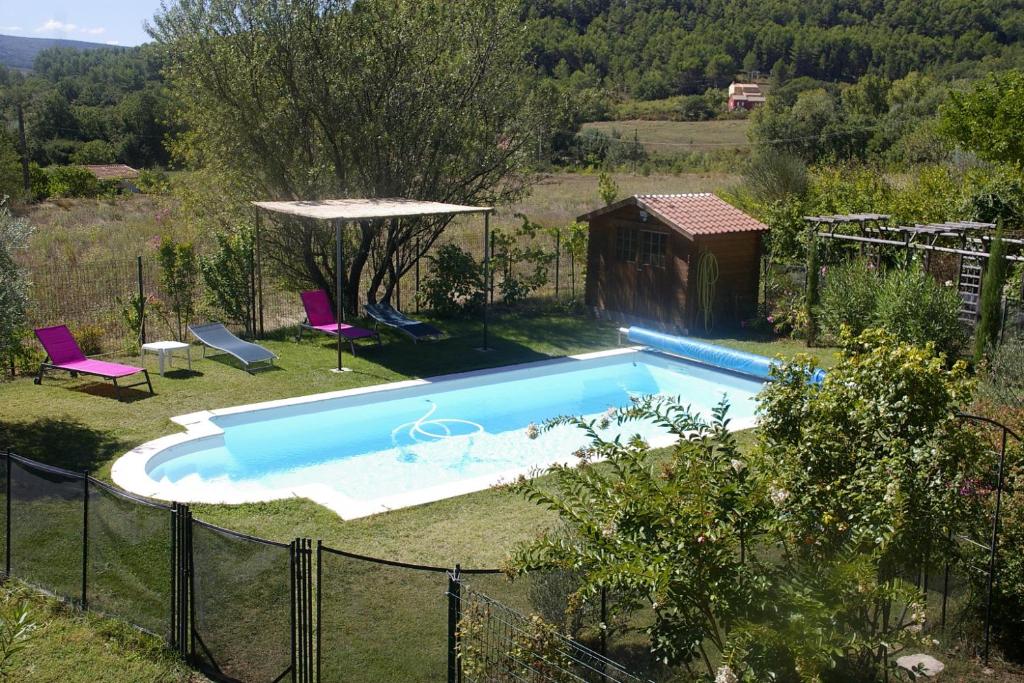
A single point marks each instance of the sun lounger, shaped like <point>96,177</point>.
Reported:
<point>63,353</point>
<point>386,314</point>
<point>320,318</point>
<point>218,337</point>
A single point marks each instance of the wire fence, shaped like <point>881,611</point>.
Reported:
<point>93,297</point>
<point>246,609</point>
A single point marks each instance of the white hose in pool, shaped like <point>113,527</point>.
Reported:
<point>417,433</point>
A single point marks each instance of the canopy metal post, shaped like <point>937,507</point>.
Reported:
<point>487,271</point>
<point>339,296</point>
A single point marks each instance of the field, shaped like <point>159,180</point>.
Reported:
<point>669,138</point>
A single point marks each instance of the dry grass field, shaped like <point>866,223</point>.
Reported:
<point>669,138</point>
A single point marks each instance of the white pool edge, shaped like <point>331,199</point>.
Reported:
<point>129,471</point>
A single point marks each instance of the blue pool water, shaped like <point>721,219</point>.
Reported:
<point>387,443</point>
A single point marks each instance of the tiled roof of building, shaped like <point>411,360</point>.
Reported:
<point>694,214</point>
<point>112,171</point>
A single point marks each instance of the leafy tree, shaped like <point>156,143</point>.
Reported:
<point>455,284</point>
<point>14,234</point>
<point>431,100</point>
<point>607,188</point>
<point>94,152</point>
<point>179,277</point>
<point>228,274</point>
<point>990,303</point>
<point>986,119</point>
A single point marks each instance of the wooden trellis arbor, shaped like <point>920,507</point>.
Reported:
<point>968,241</point>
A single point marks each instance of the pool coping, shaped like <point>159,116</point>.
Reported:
<point>130,470</point>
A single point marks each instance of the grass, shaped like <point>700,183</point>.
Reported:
<point>674,137</point>
<point>76,424</point>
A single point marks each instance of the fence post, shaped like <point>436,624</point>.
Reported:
<point>85,541</point>
<point>319,600</point>
<point>993,549</point>
<point>142,303</point>
<point>558,259</point>
<point>604,621</point>
<point>416,297</point>
<point>454,615</point>
<point>7,554</point>
<point>294,606</point>
<point>174,576</point>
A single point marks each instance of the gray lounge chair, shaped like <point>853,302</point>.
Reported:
<point>216,336</point>
<point>386,314</point>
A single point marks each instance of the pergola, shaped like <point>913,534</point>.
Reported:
<point>343,211</point>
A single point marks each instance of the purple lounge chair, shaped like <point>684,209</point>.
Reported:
<point>63,353</point>
<point>320,318</point>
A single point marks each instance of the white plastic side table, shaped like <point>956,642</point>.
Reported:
<point>166,349</point>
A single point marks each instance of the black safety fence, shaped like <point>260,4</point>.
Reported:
<point>242,608</point>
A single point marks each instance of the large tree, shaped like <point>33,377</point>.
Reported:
<point>306,99</point>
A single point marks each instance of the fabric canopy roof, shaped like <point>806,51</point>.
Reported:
<point>366,209</point>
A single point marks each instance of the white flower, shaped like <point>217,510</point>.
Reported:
<point>726,675</point>
<point>948,283</point>
<point>778,495</point>
<point>738,465</point>
<point>531,431</point>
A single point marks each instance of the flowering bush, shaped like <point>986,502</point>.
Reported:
<point>874,457</point>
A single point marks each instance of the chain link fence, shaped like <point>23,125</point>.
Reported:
<point>93,297</point>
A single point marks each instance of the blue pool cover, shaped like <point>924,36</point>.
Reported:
<point>711,354</point>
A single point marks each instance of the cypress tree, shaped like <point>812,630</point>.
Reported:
<point>990,303</point>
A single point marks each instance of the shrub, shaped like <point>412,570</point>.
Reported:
<point>607,188</point>
<point>153,181</point>
<point>874,457</point>
<point>917,309</point>
<point>849,296</point>
<point>72,181</point>
<point>179,275</point>
<point>90,339</point>
<point>14,235</point>
<point>228,276</point>
<point>1003,380</point>
<point>455,284</point>
<point>39,180</point>
<point>1008,602</point>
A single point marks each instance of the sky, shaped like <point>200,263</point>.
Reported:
<point>116,22</point>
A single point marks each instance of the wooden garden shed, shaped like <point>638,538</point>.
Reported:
<point>643,261</point>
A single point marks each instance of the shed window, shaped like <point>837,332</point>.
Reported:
<point>625,244</point>
<point>652,248</point>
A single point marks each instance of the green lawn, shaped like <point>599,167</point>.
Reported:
<point>77,424</point>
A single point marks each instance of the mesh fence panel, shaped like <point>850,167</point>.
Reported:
<point>3,503</point>
<point>242,605</point>
<point>47,513</point>
<point>500,644</point>
<point>129,570</point>
<point>381,622</point>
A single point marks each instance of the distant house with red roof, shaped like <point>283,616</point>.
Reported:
<point>745,96</point>
<point>123,174</point>
<point>644,261</point>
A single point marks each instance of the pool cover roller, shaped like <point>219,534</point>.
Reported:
<point>711,354</point>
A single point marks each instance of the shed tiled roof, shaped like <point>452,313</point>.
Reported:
<point>112,171</point>
<point>696,214</point>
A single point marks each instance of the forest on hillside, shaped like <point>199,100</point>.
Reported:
<point>112,105</point>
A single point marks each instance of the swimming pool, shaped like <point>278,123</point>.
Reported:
<point>374,449</point>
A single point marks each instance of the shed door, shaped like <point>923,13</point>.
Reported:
<point>652,279</point>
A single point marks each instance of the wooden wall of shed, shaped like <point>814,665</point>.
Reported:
<point>632,289</point>
<point>739,278</point>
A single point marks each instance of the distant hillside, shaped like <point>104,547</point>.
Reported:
<point>20,53</point>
